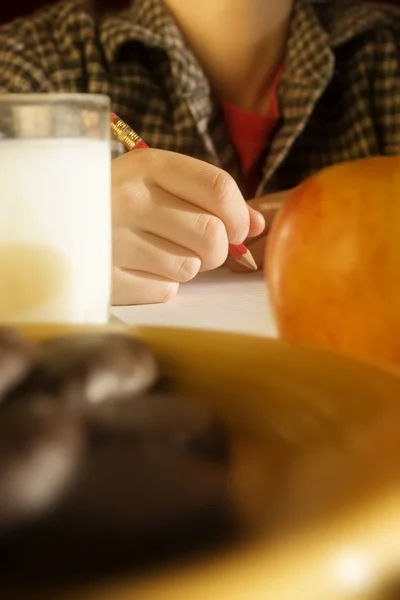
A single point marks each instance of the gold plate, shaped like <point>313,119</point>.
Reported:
<point>261,386</point>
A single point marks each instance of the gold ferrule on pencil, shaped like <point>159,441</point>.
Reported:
<point>125,134</point>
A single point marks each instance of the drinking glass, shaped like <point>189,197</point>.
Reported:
<point>55,208</point>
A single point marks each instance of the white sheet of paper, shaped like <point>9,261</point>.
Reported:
<point>217,300</point>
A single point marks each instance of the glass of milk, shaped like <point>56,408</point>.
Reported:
<point>55,208</point>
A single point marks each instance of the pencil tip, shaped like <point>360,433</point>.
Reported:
<point>248,261</point>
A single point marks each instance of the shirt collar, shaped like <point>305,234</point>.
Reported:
<point>308,50</point>
<point>150,23</point>
<point>348,20</point>
<point>316,29</point>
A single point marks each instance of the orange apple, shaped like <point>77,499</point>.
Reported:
<point>333,260</point>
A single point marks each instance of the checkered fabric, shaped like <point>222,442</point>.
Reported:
<point>339,96</point>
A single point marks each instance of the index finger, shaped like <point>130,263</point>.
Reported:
<point>205,186</point>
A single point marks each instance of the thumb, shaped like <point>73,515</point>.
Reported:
<point>268,206</point>
<point>257,223</point>
<point>262,211</point>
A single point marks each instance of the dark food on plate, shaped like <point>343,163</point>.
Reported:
<point>153,463</point>
<point>83,370</point>
<point>103,468</point>
<point>17,355</point>
<point>40,447</point>
<point>179,422</point>
<point>93,460</point>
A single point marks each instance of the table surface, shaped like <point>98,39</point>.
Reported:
<point>218,300</point>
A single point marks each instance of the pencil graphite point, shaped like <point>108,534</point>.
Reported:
<point>248,261</point>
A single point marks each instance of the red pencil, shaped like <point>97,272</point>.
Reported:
<point>132,141</point>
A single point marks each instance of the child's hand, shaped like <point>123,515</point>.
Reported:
<point>268,206</point>
<point>172,217</point>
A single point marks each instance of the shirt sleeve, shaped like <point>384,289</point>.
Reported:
<point>385,90</point>
<point>21,70</point>
<point>53,49</point>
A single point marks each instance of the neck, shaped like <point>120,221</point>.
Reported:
<point>239,43</point>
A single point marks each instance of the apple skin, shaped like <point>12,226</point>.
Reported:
<point>333,260</point>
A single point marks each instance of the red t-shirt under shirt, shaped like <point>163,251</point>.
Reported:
<point>250,134</point>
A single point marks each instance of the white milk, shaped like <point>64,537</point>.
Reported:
<point>55,231</point>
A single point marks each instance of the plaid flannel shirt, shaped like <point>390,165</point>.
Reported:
<point>339,96</point>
